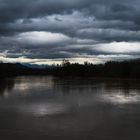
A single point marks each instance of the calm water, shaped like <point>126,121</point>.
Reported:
<point>38,108</point>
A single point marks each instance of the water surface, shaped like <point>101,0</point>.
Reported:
<point>69,109</point>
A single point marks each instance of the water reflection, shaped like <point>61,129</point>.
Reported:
<point>121,98</point>
<point>6,85</point>
<point>29,83</point>
<point>69,91</point>
<point>40,110</point>
<point>69,108</point>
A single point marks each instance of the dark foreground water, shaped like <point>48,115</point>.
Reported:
<point>48,108</point>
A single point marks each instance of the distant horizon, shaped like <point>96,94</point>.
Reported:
<point>94,60</point>
<point>45,62</point>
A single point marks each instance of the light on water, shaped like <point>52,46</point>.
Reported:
<point>69,108</point>
<point>120,98</point>
<point>40,110</point>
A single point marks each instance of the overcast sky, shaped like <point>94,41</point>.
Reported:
<point>47,31</point>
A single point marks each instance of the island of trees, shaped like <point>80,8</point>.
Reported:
<point>123,69</point>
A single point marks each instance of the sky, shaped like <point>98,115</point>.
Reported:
<point>48,31</point>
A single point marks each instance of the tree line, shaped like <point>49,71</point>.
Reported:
<point>124,69</point>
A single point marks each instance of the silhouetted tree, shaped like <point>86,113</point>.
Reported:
<point>125,69</point>
<point>65,62</point>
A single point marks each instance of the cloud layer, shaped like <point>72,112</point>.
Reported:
<point>75,29</point>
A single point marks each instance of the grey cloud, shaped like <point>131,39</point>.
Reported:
<point>109,35</point>
<point>93,21</point>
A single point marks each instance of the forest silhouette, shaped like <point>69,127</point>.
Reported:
<point>112,69</point>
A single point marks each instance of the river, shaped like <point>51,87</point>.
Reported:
<point>50,108</point>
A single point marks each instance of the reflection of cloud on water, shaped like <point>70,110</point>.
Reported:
<point>56,106</point>
<point>6,86</point>
<point>27,83</point>
<point>40,110</point>
<point>120,98</point>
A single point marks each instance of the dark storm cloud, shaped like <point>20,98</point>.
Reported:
<point>101,9</point>
<point>12,10</point>
<point>67,28</point>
